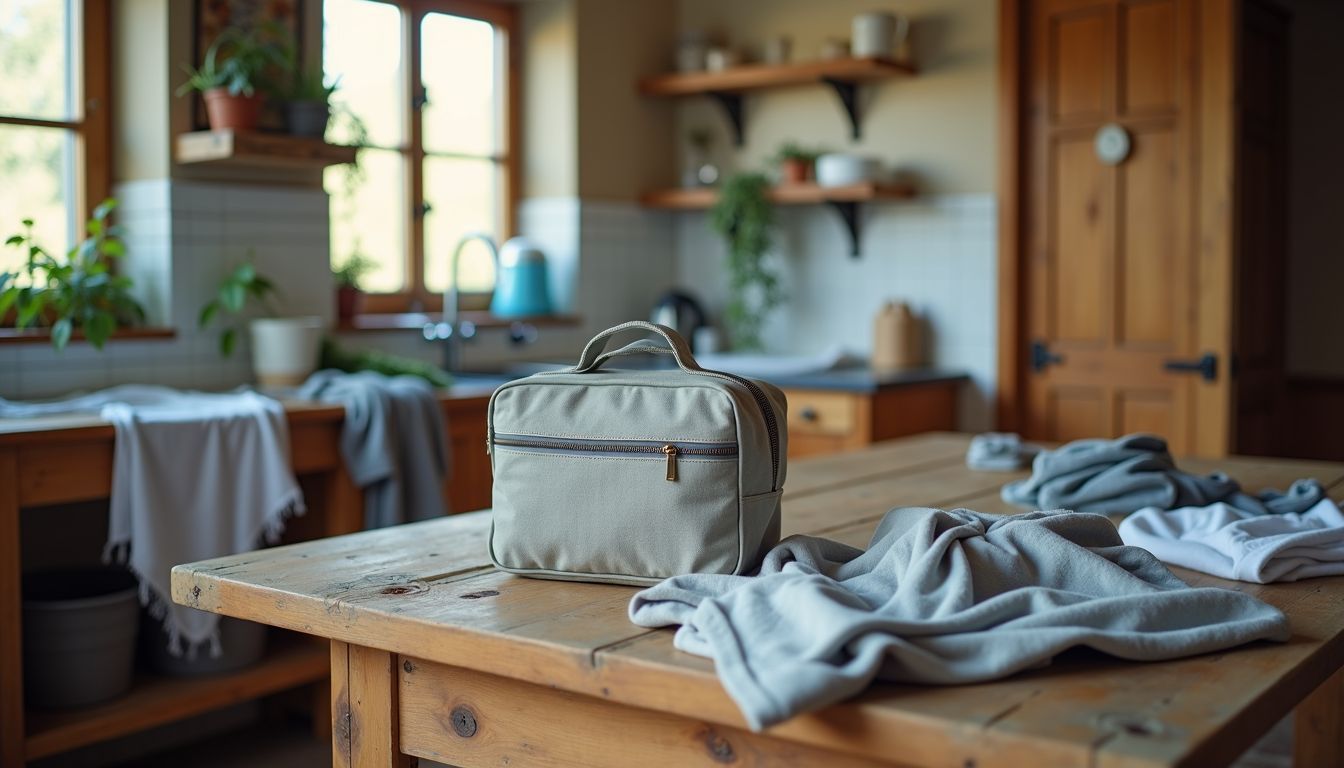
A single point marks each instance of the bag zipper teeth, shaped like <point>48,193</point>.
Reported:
<point>771,423</point>
<point>659,449</point>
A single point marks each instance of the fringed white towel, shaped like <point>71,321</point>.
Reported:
<point>196,476</point>
<point>1233,543</point>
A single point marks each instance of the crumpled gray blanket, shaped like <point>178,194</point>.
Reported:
<point>940,597</point>
<point>1135,471</point>
<point>393,440</point>
<point>999,452</point>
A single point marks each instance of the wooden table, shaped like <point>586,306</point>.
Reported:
<point>435,654</point>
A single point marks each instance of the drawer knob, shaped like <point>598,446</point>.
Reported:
<point>808,414</point>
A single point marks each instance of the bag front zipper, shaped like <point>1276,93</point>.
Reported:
<point>619,447</point>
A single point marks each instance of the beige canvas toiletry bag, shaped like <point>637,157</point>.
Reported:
<point>634,475</point>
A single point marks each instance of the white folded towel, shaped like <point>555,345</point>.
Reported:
<point>1233,543</point>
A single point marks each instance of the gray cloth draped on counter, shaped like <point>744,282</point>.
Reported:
<point>1136,471</point>
<point>393,440</point>
<point>941,597</point>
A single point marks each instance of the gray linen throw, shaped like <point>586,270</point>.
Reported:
<point>940,597</point>
<point>1135,471</point>
<point>393,441</point>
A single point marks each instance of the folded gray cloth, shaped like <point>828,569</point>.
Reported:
<point>940,597</point>
<point>393,440</point>
<point>999,452</point>
<point>1136,471</point>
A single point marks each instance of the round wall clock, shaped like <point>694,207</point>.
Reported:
<point>1111,144</point>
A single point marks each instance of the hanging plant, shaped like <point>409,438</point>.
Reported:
<point>744,217</point>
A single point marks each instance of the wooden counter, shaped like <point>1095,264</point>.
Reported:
<point>58,460</point>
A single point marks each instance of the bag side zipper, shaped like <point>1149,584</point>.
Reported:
<point>649,447</point>
<point>768,411</point>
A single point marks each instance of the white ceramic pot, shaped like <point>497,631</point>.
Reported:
<point>879,34</point>
<point>840,169</point>
<point>285,349</point>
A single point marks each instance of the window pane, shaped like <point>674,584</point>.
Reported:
<point>36,173</point>
<point>465,198</point>
<point>459,71</point>
<point>370,218</point>
<point>362,46</point>
<point>36,59</point>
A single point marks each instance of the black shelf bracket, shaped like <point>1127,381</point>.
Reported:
<point>732,107</point>
<point>849,98</point>
<point>849,216</point>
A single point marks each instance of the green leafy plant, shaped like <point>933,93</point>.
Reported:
<point>244,283</point>
<point>744,216</point>
<point>793,151</point>
<point>79,291</point>
<point>312,86</point>
<point>352,270</point>
<point>238,60</point>
<point>351,361</point>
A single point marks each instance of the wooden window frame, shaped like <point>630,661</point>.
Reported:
<point>415,297</point>
<point>93,128</point>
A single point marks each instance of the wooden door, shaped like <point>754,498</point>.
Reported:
<point>1112,291</point>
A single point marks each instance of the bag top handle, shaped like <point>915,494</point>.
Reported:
<point>594,354</point>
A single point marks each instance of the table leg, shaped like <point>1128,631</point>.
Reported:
<point>344,511</point>
<point>365,730</point>
<point>1318,730</point>
<point>11,615</point>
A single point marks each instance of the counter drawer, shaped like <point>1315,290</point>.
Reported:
<point>822,413</point>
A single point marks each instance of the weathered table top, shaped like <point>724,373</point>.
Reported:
<point>427,591</point>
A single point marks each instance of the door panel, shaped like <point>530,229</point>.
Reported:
<point>1079,68</point>
<point>1109,285</point>
<point>1149,34</point>
<point>1081,222</point>
<point>1147,243</point>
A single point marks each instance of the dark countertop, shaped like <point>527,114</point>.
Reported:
<point>856,378</point>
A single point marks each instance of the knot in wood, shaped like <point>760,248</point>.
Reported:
<point>720,749</point>
<point>398,590</point>
<point>479,595</point>
<point>464,721</point>
<point>1132,724</point>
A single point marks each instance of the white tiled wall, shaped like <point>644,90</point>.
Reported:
<point>936,253</point>
<point>181,240</point>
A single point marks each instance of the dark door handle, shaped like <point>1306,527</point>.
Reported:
<point>1042,357</point>
<point>1206,366</point>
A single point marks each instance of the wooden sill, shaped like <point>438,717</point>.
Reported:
<point>266,150</point>
<point>43,335</point>
<point>404,321</point>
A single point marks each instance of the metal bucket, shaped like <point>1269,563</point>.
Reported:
<point>79,629</point>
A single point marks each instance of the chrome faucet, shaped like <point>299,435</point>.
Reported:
<point>452,329</point>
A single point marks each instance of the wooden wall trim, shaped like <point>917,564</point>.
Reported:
<point>1009,391</point>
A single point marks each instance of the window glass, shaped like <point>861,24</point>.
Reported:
<point>36,182</point>
<point>458,67</point>
<point>37,68</point>
<point>368,217</point>
<point>463,195</point>
<point>362,46</point>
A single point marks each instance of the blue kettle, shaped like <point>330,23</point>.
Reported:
<point>522,288</point>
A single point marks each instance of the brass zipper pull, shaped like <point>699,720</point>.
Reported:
<point>671,451</point>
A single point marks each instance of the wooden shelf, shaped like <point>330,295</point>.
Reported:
<point>417,320</point>
<point>254,149</point>
<point>727,87</point>
<point>754,77</point>
<point>155,700</point>
<point>694,198</point>
<point>43,335</point>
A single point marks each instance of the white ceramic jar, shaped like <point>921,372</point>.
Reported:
<point>285,349</point>
<point>841,169</point>
<point>878,34</point>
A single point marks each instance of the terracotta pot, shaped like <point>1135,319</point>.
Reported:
<point>349,302</point>
<point>796,171</point>
<point>229,112</point>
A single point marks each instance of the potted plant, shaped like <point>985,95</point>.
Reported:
<point>795,163</point>
<point>349,296</point>
<point>744,217</point>
<point>228,77</point>
<point>284,349</point>
<point>77,292</point>
<point>309,107</point>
